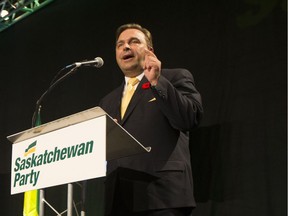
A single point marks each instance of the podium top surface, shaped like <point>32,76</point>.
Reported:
<point>119,142</point>
<point>57,124</point>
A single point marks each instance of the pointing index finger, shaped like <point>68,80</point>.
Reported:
<point>149,52</point>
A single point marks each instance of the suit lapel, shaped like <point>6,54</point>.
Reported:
<point>118,99</point>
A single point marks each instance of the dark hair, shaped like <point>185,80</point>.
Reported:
<point>145,31</point>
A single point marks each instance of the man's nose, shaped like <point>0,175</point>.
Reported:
<point>126,47</point>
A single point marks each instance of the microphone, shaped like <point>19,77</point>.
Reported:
<point>97,62</point>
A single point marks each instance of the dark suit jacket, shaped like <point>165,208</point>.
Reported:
<point>163,177</point>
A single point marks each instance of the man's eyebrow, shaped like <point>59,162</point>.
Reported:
<point>120,41</point>
<point>132,38</point>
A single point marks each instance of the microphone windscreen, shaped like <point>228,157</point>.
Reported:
<point>99,61</point>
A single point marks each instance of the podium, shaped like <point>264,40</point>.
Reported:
<point>67,150</point>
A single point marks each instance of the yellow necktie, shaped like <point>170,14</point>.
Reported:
<point>130,89</point>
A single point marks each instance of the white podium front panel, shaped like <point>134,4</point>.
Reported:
<point>70,154</point>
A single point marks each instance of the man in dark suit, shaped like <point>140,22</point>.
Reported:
<point>162,110</point>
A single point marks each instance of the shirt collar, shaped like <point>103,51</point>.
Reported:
<point>139,77</point>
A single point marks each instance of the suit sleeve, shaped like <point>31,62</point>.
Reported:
<point>179,99</point>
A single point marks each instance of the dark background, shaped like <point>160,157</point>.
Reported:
<point>236,51</point>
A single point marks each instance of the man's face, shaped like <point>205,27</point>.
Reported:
<point>130,53</point>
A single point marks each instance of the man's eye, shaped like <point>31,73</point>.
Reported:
<point>135,41</point>
<point>119,45</point>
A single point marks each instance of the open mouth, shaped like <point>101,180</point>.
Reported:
<point>127,56</point>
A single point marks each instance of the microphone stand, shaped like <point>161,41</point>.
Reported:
<point>35,119</point>
<point>83,197</point>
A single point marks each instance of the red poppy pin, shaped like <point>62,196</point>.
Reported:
<point>146,85</point>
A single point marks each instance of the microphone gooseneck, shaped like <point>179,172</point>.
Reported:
<point>97,62</point>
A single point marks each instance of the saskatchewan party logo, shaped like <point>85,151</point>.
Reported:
<point>26,169</point>
<point>31,148</point>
